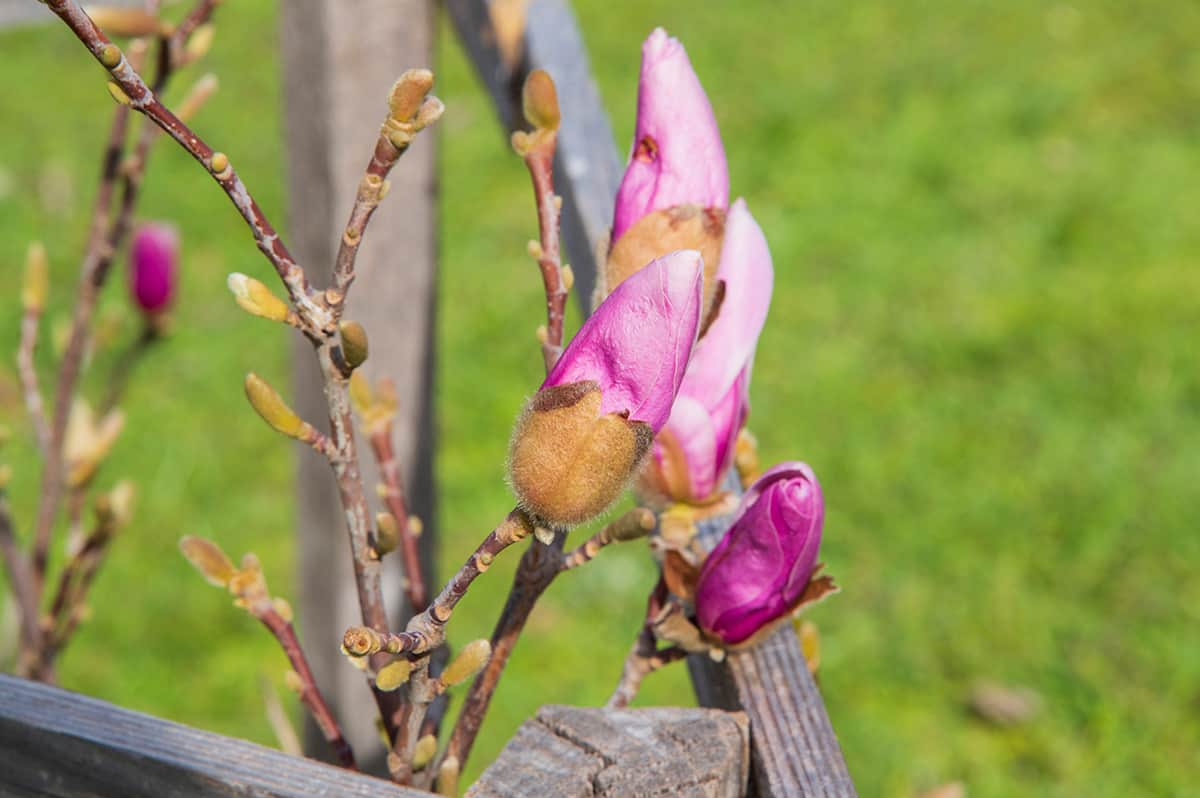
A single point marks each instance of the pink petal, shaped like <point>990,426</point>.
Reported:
<point>677,154</point>
<point>728,346</point>
<point>637,343</point>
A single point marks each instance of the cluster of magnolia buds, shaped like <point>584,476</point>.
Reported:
<point>655,386</point>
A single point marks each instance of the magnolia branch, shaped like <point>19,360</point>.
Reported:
<point>306,688</point>
<point>426,631</point>
<point>141,98</point>
<point>393,499</point>
<point>20,579</point>
<point>644,658</point>
<point>29,378</point>
<point>105,237</point>
<point>540,161</point>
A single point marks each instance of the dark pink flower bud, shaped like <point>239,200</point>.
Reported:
<point>759,571</point>
<point>154,267</point>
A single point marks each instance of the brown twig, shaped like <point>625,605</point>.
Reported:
<point>637,523</point>
<point>20,577</point>
<point>393,498</point>
<point>540,162</point>
<point>310,695</point>
<point>105,237</point>
<point>644,658</point>
<point>426,631</point>
<point>29,378</point>
<point>141,98</point>
<point>537,569</point>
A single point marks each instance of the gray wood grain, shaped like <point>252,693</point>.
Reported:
<point>587,167</point>
<point>339,63</point>
<point>579,752</point>
<point>56,743</point>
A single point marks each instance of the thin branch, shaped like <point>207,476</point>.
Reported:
<point>20,578</point>
<point>427,630</point>
<point>393,498</point>
<point>644,658</point>
<point>29,378</point>
<point>537,569</point>
<point>637,523</point>
<point>142,99</point>
<point>310,695</point>
<point>370,192</point>
<point>540,162</point>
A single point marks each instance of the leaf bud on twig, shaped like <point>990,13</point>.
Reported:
<point>255,298</point>
<point>270,405</point>
<point>119,94</point>
<point>354,343</point>
<point>424,751</point>
<point>468,663</point>
<point>208,558</point>
<point>37,278</point>
<point>539,101</point>
<point>447,778</point>
<point>386,533</point>
<point>118,21</point>
<point>394,674</point>
<point>199,43</point>
<point>201,90</point>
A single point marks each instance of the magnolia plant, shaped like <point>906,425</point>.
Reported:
<point>651,392</point>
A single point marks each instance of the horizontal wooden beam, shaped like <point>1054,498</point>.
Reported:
<point>56,743</point>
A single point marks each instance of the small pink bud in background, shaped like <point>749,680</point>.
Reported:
<point>759,571</point>
<point>154,267</point>
<point>581,437</point>
<point>697,445</point>
<point>677,154</point>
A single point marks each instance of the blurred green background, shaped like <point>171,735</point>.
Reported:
<point>984,224</point>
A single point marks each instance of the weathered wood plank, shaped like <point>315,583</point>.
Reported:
<point>56,743</point>
<point>340,60</point>
<point>579,752</point>
<point>587,167</point>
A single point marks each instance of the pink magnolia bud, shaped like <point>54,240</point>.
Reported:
<point>584,433</point>
<point>760,569</point>
<point>677,154</point>
<point>697,445</point>
<point>153,267</point>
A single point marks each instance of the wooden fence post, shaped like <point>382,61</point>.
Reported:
<point>340,60</point>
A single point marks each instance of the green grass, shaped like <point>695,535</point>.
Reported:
<point>983,224</point>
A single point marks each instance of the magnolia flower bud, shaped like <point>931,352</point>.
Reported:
<point>760,569</point>
<point>153,267</point>
<point>699,441</point>
<point>580,438</point>
<point>677,154</point>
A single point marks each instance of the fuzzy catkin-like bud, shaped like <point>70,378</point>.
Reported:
<point>539,101</point>
<point>255,298</point>
<point>201,90</point>
<point>199,43</point>
<point>208,558</point>
<point>567,462</point>
<point>37,278</point>
<point>468,662</point>
<point>386,533</point>
<point>270,405</point>
<point>447,778</point>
